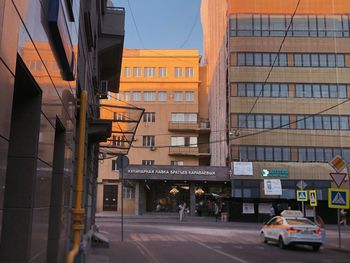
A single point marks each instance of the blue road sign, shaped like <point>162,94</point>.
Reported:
<point>338,198</point>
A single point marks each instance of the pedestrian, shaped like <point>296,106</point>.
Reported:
<point>272,211</point>
<point>182,209</point>
<point>216,211</point>
<point>343,213</point>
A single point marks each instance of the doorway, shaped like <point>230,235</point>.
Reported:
<point>110,197</point>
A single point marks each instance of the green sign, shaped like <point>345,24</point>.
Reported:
<point>274,173</point>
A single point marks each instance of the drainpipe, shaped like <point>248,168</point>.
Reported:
<point>78,213</point>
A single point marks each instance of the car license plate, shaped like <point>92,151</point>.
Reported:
<point>308,232</point>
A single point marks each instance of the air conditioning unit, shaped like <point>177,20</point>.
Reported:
<point>153,148</point>
<point>103,89</point>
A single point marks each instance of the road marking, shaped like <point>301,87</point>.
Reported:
<point>144,237</point>
<point>145,251</point>
<point>221,252</point>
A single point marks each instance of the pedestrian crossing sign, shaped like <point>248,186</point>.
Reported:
<point>313,197</point>
<point>338,198</point>
<point>302,195</point>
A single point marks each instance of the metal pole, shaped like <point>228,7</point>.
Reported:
<point>314,213</point>
<point>338,215</point>
<point>303,208</point>
<point>122,204</point>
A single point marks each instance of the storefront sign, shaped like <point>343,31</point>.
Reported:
<point>274,173</point>
<point>264,208</point>
<point>248,208</point>
<point>242,168</point>
<point>272,187</point>
<point>161,172</point>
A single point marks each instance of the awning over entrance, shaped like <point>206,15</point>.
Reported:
<point>183,173</point>
<point>125,119</point>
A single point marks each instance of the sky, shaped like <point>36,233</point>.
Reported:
<point>162,24</point>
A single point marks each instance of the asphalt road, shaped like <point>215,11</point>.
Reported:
<point>167,240</point>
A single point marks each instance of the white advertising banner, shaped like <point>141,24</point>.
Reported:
<point>264,208</point>
<point>309,211</point>
<point>242,168</point>
<point>272,187</point>
<point>248,208</point>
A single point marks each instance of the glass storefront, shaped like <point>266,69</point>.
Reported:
<point>166,196</point>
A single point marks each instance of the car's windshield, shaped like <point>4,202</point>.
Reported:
<point>299,222</point>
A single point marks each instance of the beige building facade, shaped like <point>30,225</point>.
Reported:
<point>287,92</point>
<point>171,140</point>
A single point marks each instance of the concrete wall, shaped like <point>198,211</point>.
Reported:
<point>214,24</point>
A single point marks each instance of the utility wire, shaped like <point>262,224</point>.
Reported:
<point>192,29</point>
<point>277,56</point>
<point>136,27</point>
<point>152,50</point>
<point>259,132</point>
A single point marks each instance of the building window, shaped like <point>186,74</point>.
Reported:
<point>162,96</point>
<point>178,96</point>
<point>263,90</point>
<point>315,154</point>
<point>184,117</point>
<point>149,96</point>
<point>137,72</point>
<point>189,95</point>
<point>148,141</point>
<point>128,192</point>
<point>150,72</point>
<point>323,122</point>
<point>277,25</point>
<point>178,72</point>
<point>149,117</point>
<point>321,91</point>
<point>184,141</point>
<point>262,59</point>
<point>162,72</point>
<point>264,153</point>
<point>118,140</point>
<point>189,72</point>
<point>260,121</point>
<point>127,95</point>
<point>114,165</point>
<point>319,60</point>
<point>136,96</point>
<point>147,162</point>
<point>175,163</point>
<point>118,116</point>
<point>127,72</point>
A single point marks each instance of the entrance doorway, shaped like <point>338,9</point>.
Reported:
<point>110,197</point>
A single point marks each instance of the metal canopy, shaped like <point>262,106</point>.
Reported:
<point>125,119</point>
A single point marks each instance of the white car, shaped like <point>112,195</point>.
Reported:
<point>292,228</point>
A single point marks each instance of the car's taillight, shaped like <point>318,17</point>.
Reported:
<point>317,231</point>
<point>292,230</point>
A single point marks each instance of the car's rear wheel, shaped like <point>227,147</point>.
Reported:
<point>263,238</point>
<point>281,243</point>
<point>316,247</point>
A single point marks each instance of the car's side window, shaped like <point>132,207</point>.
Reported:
<point>279,221</point>
<point>271,222</point>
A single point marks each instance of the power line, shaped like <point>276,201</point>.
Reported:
<point>277,56</point>
<point>136,27</point>
<point>152,50</point>
<point>259,132</point>
<point>192,29</point>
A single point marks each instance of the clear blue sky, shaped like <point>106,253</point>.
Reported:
<point>162,24</point>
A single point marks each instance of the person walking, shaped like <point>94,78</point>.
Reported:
<point>216,211</point>
<point>343,217</point>
<point>272,212</point>
<point>182,209</point>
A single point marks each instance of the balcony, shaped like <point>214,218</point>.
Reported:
<point>188,151</point>
<point>202,126</point>
<point>110,45</point>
